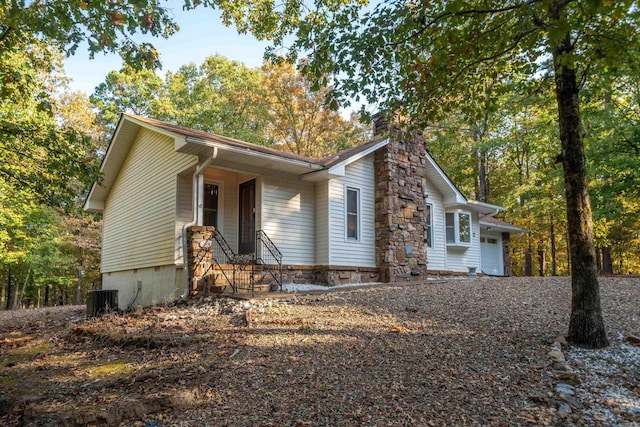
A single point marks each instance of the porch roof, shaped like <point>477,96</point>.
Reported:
<point>231,154</point>
<point>490,223</point>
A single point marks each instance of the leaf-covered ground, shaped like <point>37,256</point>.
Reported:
<point>460,352</point>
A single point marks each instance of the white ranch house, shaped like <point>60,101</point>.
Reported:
<point>381,211</point>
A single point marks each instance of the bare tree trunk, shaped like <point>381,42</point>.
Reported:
<point>2,291</point>
<point>46,296</point>
<point>541,266</point>
<point>554,264</point>
<point>607,261</point>
<point>16,294</point>
<point>482,186</point>
<point>528,262</point>
<point>483,195</point>
<point>586,326</point>
<point>11,290</point>
<point>79,285</point>
<point>24,288</point>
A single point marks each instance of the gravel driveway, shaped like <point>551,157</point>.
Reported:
<point>459,352</point>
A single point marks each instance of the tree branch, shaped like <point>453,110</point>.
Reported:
<point>446,15</point>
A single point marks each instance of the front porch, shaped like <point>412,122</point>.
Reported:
<point>214,267</point>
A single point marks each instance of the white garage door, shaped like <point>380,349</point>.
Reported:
<point>491,255</point>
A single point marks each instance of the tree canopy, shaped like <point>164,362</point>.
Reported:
<point>425,61</point>
<point>38,151</point>
<point>102,26</point>
<point>272,105</point>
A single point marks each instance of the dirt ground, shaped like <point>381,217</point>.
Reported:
<point>458,352</point>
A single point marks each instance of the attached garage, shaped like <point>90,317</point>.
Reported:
<point>495,236</point>
<point>491,259</point>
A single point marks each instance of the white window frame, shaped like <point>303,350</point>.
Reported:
<point>348,238</point>
<point>428,235</point>
<point>457,242</point>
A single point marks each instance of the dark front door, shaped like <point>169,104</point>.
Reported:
<point>247,209</point>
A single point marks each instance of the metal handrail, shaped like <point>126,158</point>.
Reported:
<point>272,259</point>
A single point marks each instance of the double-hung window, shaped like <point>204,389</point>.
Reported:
<point>458,228</point>
<point>352,213</point>
<point>428,225</point>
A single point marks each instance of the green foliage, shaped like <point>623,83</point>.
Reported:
<point>128,90</point>
<point>41,248</point>
<point>272,106</point>
<point>48,157</point>
<point>521,146</point>
<point>103,26</point>
<point>612,115</point>
<point>38,152</point>
<point>299,120</point>
<point>219,96</point>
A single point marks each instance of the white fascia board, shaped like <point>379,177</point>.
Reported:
<point>339,169</point>
<point>94,206</point>
<point>501,228</point>
<point>361,154</point>
<point>458,196</point>
<point>154,128</point>
<point>90,203</point>
<point>485,208</point>
<point>180,142</point>
<point>324,174</point>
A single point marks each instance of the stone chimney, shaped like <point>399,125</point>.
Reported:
<point>401,250</point>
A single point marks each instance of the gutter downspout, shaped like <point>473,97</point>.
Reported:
<point>196,202</point>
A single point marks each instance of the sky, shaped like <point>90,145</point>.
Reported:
<point>201,34</point>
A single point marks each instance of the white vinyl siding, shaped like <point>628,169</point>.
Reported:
<point>322,223</point>
<point>184,208</point>
<point>184,195</point>
<point>436,254</point>
<point>459,259</point>
<point>288,217</point>
<point>139,221</point>
<point>349,252</point>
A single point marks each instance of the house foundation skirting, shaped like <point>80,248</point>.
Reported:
<point>328,275</point>
<point>452,274</point>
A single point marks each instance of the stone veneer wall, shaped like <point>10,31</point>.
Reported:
<point>319,274</point>
<point>328,275</point>
<point>196,235</point>
<point>506,254</point>
<point>401,250</point>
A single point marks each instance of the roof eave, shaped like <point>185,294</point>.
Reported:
<point>485,208</point>
<point>501,228</point>
<point>454,196</point>
<point>338,169</point>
